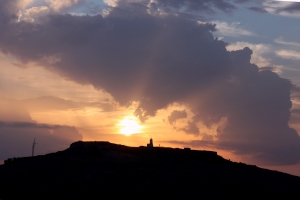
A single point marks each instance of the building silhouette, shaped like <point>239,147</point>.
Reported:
<point>150,145</point>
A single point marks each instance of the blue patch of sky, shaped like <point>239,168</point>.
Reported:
<point>267,26</point>
<point>90,7</point>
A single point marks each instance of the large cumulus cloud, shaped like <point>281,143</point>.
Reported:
<point>159,59</point>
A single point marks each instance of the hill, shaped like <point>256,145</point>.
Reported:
<point>102,170</point>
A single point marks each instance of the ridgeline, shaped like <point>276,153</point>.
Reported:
<point>102,170</point>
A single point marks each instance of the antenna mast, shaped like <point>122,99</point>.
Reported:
<point>33,145</point>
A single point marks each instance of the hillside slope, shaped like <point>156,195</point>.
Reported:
<point>102,170</point>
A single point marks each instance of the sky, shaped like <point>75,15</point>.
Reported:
<point>220,75</point>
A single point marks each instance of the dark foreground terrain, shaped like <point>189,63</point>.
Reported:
<point>102,170</point>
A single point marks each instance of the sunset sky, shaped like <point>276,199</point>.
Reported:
<point>219,75</point>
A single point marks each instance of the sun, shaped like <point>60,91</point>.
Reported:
<point>130,125</point>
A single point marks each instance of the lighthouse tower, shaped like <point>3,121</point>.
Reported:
<point>150,145</point>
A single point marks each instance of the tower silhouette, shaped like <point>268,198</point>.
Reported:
<point>33,145</point>
<point>150,144</point>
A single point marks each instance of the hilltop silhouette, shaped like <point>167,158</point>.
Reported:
<point>102,170</point>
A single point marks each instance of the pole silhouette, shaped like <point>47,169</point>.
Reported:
<point>33,145</point>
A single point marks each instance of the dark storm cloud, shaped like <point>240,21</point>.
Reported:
<point>163,59</point>
<point>259,117</point>
<point>93,50</point>
<point>255,105</point>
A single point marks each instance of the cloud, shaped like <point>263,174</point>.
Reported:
<point>24,3</point>
<point>296,111</point>
<point>255,105</point>
<point>17,131</point>
<point>192,143</point>
<point>269,133</point>
<point>191,8</point>
<point>17,142</point>
<point>291,8</point>
<point>158,60</point>
<point>34,12</point>
<point>69,132</point>
<point>232,30</point>
<point>190,5</point>
<point>46,103</point>
<point>288,54</point>
<point>175,115</point>
<point>280,40</point>
<point>259,52</point>
<point>113,3</point>
<point>258,9</point>
<point>285,8</point>
<point>11,111</point>
<point>58,5</point>
<point>189,128</point>
<point>27,125</point>
<point>206,6</point>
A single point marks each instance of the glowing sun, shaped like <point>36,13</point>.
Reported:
<point>130,125</point>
